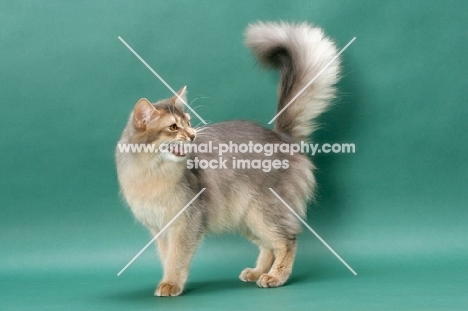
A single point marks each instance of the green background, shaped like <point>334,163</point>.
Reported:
<point>396,210</point>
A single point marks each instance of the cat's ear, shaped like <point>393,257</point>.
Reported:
<point>143,112</point>
<point>180,98</point>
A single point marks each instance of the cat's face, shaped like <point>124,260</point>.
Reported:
<point>164,123</point>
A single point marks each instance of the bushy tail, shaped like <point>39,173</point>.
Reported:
<point>299,52</point>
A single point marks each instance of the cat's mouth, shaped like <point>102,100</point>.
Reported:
<point>178,149</point>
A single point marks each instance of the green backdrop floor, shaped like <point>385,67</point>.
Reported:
<point>319,281</point>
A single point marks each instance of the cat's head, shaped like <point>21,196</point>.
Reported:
<point>163,124</point>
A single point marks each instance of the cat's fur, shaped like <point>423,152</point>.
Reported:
<point>157,186</point>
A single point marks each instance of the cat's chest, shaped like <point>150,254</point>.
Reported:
<point>153,199</point>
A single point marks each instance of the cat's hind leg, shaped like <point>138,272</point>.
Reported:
<point>275,233</point>
<point>264,261</point>
<point>284,251</point>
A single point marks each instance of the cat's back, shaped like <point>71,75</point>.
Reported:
<point>239,131</point>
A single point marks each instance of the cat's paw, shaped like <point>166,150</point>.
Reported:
<point>168,289</point>
<point>249,275</point>
<point>266,281</point>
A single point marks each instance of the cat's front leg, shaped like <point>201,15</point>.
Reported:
<point>180,244</point>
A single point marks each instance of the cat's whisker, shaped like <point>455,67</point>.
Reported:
<point>202,126</point>
<point>204,131</point>
<point>209,137</point>
<point>200,129</point>
<point>194,108</point>
<point>200,97</point>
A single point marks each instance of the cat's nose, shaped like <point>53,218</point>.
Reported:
<point>191,133</point>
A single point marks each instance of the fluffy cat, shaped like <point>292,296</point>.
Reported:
<point>157,185</point>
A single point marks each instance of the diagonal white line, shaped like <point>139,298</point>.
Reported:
<point>312,230</point>
<point>160,232</point>
<point>161,79</point>
<point>311,81</point>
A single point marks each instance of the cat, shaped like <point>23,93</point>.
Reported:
<point>157,186</point>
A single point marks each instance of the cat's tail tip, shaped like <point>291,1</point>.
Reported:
<point>309,69</point>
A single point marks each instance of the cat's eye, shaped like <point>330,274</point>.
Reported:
<point>173,127</point>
